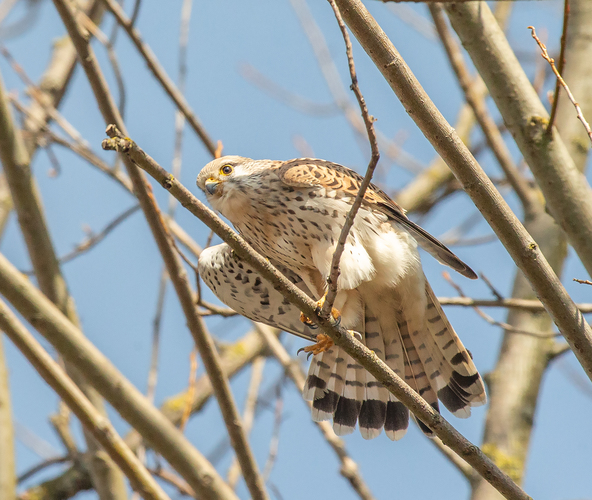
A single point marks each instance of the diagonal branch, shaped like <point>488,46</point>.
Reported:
<point>177,274</point>
<point>133,406</point>
<point>492,133</point>
<point>567,192</point>
<point>369,123</point>
<point>520,245</point>
<point>368,359</point>
<point>99,426</point>
<point>160,74</point>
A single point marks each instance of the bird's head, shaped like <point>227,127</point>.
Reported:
<point>221,180</point>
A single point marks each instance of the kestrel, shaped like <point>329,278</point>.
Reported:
<point>292,212</point>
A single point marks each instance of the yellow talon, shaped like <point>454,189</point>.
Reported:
<point>336,315</point>
<point>324,343</point>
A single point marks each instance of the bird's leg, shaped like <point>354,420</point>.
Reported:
<point>324,343</point>
<point>335,314</point>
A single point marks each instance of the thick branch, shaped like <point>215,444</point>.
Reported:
<point>368,359</point>
<point>204,342</point>
<point>476,183</point>
<point>567,192</point>
<point>69,341</point>
<point>7,457</point>
<point>141,480</point>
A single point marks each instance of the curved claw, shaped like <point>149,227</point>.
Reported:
<point>335,315</point>
<point>324,343</point>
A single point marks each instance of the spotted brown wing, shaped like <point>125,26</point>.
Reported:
<point>309,172</point>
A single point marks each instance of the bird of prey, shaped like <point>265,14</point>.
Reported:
<point>292,212</point>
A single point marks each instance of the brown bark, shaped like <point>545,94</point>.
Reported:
<point>515,383</point>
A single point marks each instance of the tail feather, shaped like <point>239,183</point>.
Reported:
<point>464,386</point>
<point>422,348</point>
<point>373,412</point>
<point>416,367</point>
<point>317,385</point>
<point>383,312</point>
<point>350,403</point>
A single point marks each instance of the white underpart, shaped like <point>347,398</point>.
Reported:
<point>355,264</point>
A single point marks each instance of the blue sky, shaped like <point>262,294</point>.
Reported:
<point>115,285</point>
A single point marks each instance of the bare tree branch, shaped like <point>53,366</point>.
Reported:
<point>450,436</point>
<point>69,341</point>
<point>369,123</point>
<point>561,66</point>
<point>7,457</point>
<point>567,192</point>
<point>513,303</point>
<point>560,79</point>
<point>476,183</point>
<point>98,425</point>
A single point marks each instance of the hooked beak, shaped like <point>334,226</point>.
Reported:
<point>212,185</point>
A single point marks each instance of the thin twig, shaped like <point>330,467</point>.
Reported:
<point>583,282</point>
<point>274,442</point>
<point>213,309</point>
<point>249,413</point>
<point>523,304</point>
<point>42,466</point>
<point>161,75</point>
<point>103,39</point>
<point>336,88</point>
<point>61,424</point>
<point>492,289</point>
<point>561,66</point>
<point>93,239</point>
<point>174,480</point>
<point>475,100</point>
<point>463,467</point>
<point>291,99</point>
<point>190,394</point>
<point>551,61</point>
<point>369,123</point>
<point>505,326</point>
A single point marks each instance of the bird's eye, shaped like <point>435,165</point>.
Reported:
<point>226,169</point>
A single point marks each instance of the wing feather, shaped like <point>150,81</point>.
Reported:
<point>310,173</point>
